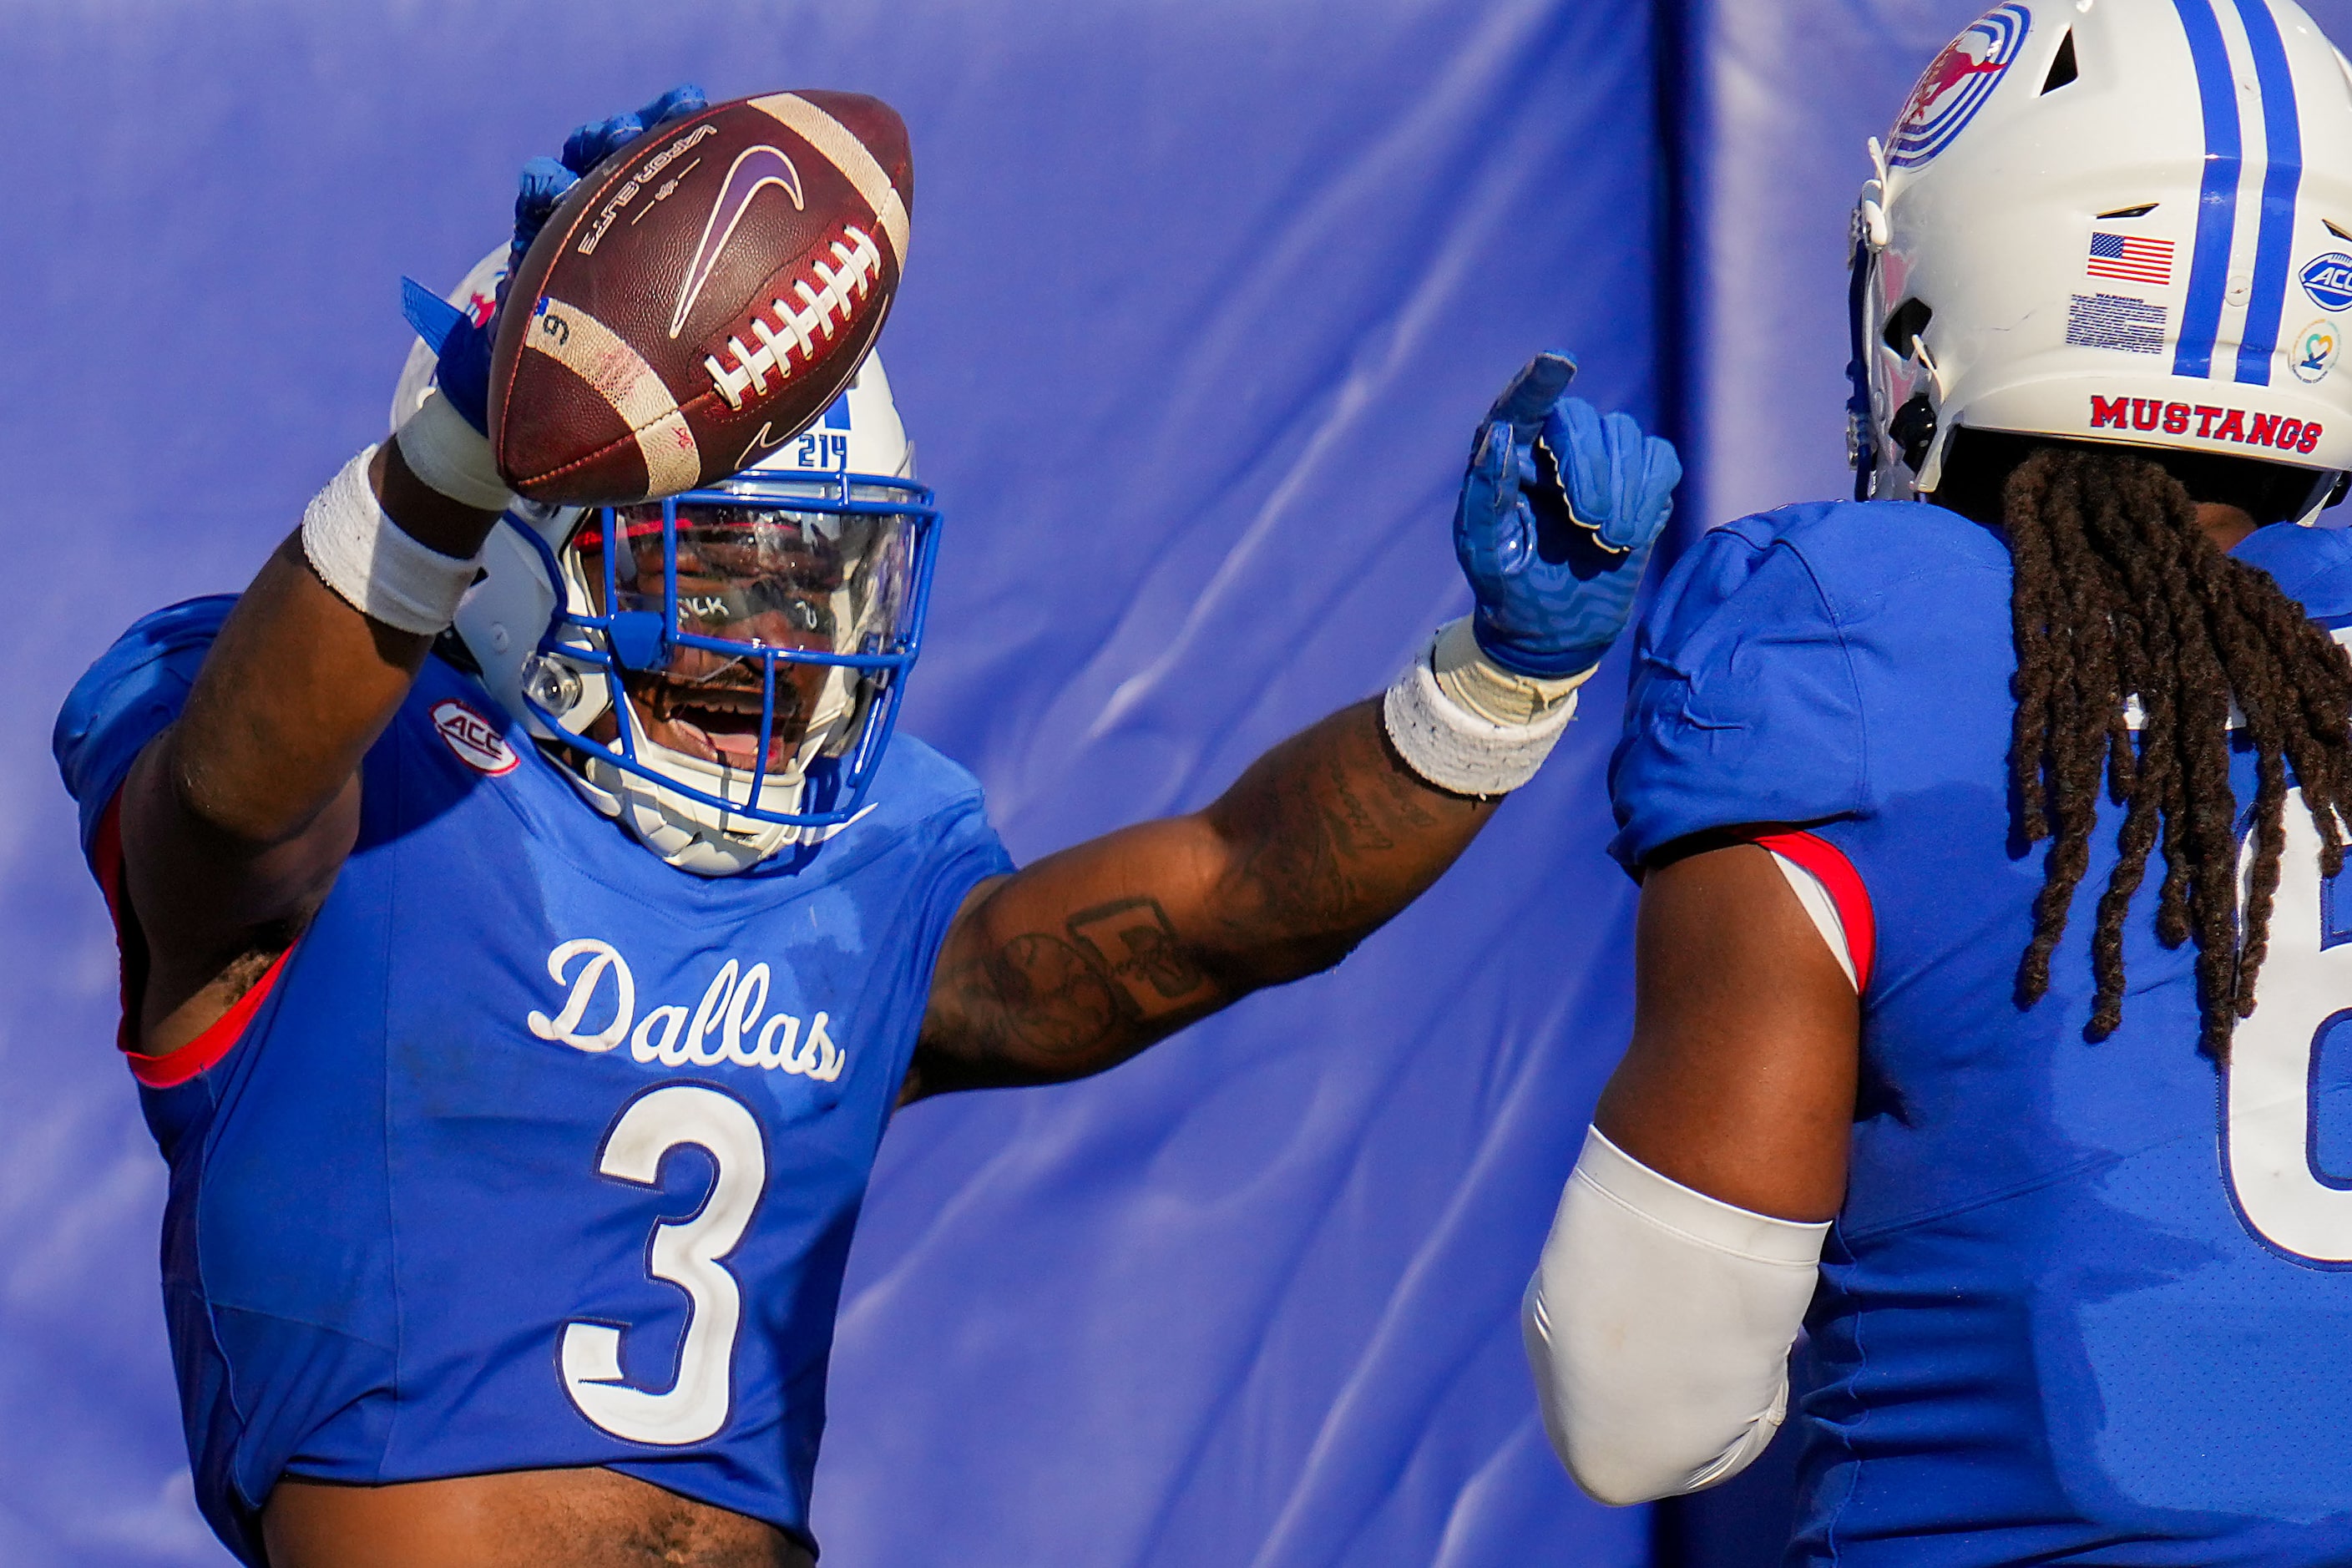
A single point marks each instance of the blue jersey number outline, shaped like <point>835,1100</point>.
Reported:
<point>2270,1090</point>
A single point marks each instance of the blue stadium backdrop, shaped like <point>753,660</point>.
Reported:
<point>1205,297</point>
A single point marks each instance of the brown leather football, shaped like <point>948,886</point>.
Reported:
<point>700,298</point>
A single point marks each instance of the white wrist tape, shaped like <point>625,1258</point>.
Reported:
<point>452,457</point>
<point>1466,724</point>
<point>1658,1325</point>
<point>373,566</point>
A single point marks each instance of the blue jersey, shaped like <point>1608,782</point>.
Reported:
<point>533,1150</point>
<point>2084,1302</point>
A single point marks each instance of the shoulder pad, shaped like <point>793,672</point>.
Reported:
<point>126,699</point>
<point>1746,706</point>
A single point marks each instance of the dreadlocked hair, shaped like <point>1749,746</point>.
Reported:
<point>2119,594</point>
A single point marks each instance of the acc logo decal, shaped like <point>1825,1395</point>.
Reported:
<point>1956,85</point>
<point>2328,281</point>
<point>2247,429</point>
<point>2315,349</point>
<point>475,740</point>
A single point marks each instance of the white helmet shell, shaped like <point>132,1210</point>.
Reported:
<point>2111,220</point>
<point>531,577</point>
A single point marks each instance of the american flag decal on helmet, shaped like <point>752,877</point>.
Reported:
<point>2131,258</point>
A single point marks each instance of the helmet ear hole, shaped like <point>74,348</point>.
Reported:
<point>2061,64</point>
<point>1914,429</point>
<point>1905,324</point>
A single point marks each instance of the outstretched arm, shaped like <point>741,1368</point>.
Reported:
<point>1078,962</point>
<point>1083,959</point>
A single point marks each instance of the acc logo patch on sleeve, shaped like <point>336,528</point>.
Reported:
<point>473,739</point>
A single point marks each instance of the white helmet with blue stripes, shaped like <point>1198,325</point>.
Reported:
<point>719,670</point>
<point>2112,220</point>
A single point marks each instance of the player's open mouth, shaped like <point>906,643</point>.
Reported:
<point>715,724</point>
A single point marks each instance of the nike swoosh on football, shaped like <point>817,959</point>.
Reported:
<point>753,171</point>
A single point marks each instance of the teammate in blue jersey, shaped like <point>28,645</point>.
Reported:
<point>529,925</point>
<point>1990,961</point>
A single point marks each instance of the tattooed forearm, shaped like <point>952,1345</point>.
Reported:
<point>1134,942</point>
<point>1326,853</point>
<point>1089,955</point>
<point>1059,1000</point>
<point>1050,997</point>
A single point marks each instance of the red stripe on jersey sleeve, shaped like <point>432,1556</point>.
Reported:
<point>106,865</point>
<point>178,1065</point>
<point>1837,874</point>
<point>184,1062</point>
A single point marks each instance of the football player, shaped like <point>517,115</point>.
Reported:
<point>1990,966</point>
<point>528,924</point>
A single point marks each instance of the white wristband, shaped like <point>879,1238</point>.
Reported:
<point>452,457</point>
<point>1466,724</point>
<point>372,564</point>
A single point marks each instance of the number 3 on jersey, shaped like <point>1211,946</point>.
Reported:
<point>688,1254</point>
<point>2270,1123</point>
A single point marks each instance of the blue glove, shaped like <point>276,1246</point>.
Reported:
<point>1559,513</point>
<point>460,345</point>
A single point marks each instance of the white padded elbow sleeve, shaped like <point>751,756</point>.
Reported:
<point>1658,1324</point>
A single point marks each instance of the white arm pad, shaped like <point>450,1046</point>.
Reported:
<point>1659,1324</point>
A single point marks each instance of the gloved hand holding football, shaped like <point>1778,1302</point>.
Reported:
<point>460,343</point>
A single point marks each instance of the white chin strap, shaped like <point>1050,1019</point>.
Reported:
<point>688,833</point>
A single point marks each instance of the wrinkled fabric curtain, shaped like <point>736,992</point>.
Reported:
<point>1204,301</point>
